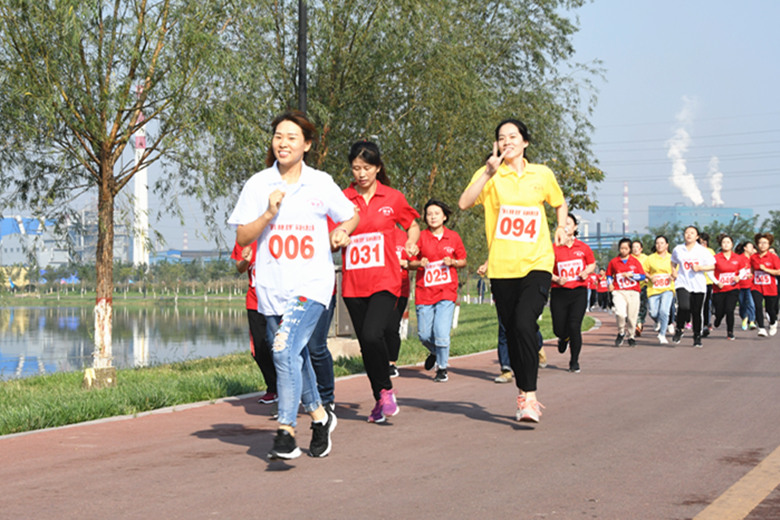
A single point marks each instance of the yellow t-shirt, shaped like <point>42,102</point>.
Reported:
<point>658,265</point>
<point>515,222</point>
<point>710,273</point>
<point>642,257</point>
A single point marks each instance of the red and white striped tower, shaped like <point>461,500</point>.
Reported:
<point>625,208</point>
<point>141,200</point>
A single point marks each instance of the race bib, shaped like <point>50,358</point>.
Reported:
<point>519,223</point>
<point>762,278</point>
<point>662,281</point>
<point>364,251</point>
<point>436,273</point>
<point>291,242</point>
<point>727,278</point>
<point>570,269</point>
<point>626,282</point>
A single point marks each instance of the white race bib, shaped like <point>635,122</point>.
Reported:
<point>519,223</point>
<point>291,242</point>
<point>626,282</point>
<point>762,278</point>
<point>436,273</point>
<point>570,269</point>
<point>662,281</point>
<point>727,278</point>
<point>364,251</point>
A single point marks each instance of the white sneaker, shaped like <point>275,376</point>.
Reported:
<point>670,329</point>
<point>762,332</point>
<point>662,339</point>
<point>657,327</point>
<point>773,329</point>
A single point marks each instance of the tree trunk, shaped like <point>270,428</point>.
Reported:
<point>103,373</point>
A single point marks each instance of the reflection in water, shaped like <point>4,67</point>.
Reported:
<point>40,340</point>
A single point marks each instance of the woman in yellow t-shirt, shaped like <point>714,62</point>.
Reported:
<point>520,260</point>
<point>660,285</point>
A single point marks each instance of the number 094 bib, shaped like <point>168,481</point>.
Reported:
<point>518,223</point>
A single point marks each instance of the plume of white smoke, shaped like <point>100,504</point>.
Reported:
<point>677,146</point>
<point>716,181</point>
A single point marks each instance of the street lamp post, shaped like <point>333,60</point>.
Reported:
<point>302,27</point>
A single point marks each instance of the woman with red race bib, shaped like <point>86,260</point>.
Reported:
<point>624,273</point>
<point>728,266</point>
<point>372,272</point>
<point>436,290</point>
<point>574,262</point>
<point>765,266</point>
<point>747,308</point>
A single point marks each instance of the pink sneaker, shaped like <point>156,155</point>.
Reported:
<point>531,411</point>
<point>389,405</point>
<point>376,414</point>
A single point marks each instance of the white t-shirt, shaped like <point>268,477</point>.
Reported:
<point>687,278</point>
<point>293,252</point>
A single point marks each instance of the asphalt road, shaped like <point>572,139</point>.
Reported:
<point>642,433</point>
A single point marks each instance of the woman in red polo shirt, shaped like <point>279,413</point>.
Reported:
<point>436,289</point>
<point>574,262</point>
<point>372,273</point>
<point>766,266</point>
<point>728,266</point>
<point>624,273</point>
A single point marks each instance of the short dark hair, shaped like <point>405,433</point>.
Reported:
<point>299,118</point>
<point>436,202</point>
<point>520,126</point>
<point>369,152</point>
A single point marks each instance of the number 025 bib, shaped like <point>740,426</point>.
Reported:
<point>364,251</point>
<point>518,223</point>
<point>436,273</point>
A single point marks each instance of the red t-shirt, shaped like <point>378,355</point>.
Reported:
<point>593,281</point>
<point>745,276</point>
<point>764,282</point>
<point>631,266</point>
<point>570,262</point>
<point>437,282</point>
<point>726,271</point>
<point>251,294</point>
<point>370,263</point>
<point>400,251</point>
<point>603,284</point>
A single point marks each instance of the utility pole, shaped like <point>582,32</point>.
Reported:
<point>302,27</point>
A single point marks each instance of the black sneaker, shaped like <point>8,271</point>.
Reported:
<point>562,344</point>
<point>697,342</point>
<point>574,368</point>
<point>430,361</point>
<point>619,339</point>
<point>284,446</point>
<point>705,332</point>
<point>441,376</point>
<point>631,342</point>
<point>393,370</point>
<point>678,334</point>
<point>320,436</point>
<point>331,407</point>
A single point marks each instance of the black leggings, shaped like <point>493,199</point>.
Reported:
<point>371,317</point>
<point>261,351</point>
<point>725,303</point>
<point>519,302</point>
<point>567,307</point>
<point>689,307</point>
<point>603,300</point>
<point>760,302</point>
<point>392,337</point>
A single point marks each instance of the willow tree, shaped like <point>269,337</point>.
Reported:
<point>75,77</point>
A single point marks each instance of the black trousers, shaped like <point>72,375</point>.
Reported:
<point>567,307</point>
<point>761,301</point>
<point>519,302</point>
<point>261,351</point>
<point>689,307</point>
<point>725,303</point>
<point>371,317</point>
<point>392,338</point>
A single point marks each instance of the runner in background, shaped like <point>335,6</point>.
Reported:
<point>593,282</point>
<point>260,348</point>
<point>765,266</point>
<point>624,273</point>
<point>285,209</point>
<point>574,263</point>
<point>371,284</point>
<point>690,261</point>
<point>637,252</point>
<point>506,375</point>
<point>747,308</point>
<point>603,290</point>
<point>393,332</point>
<point>728,266</point>
<point>660,286</point>
<point>704,239</point>
<point>513,192</point>
<point>436,289</point>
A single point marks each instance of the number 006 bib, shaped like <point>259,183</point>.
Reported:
<point>518,223</point>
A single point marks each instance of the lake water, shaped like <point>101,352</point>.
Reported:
<point>43,340</point>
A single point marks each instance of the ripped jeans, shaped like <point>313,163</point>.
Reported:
<point>289,334</point>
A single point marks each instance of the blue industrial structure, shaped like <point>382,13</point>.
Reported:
<point>694,215</point>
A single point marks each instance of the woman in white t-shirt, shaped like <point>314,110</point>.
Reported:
<point>690,261</point>
<point>285,209</point>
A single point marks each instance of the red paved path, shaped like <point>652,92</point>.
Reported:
<point>650,432</point>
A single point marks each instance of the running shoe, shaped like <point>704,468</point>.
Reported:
<point>697,342</point>
<point>705,332</point>
<point>662,339</point>
<point>638,330</point>
<point>505,377</point>
<point>752,325</point>
<point>284,446</point>
<point>520,405</point>
<point>773,329</point>
<point>689,326</point>
<point>441,376</point>
<point>389,404</point>
<point>731,336</point>
<point>320,435</point>
<point>430,361</point>
<point>574,368</point>
<point>670,328</point>
<point>376,413</point>
<point>745,324</point>
<point>562,344</point>
<point>531,411</point>
<point>268,398</point>
<point>619,339</point>
<point>393,370</point>
<point>657,326</point>
<point>542,358</point>
<point>631,342</point>
<point>762,332</point>
<point>678,334</point>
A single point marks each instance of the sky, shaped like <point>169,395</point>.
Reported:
<point>686,81</point>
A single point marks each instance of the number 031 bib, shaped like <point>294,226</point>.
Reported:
<point>364,251</point>
<point>518,223</point>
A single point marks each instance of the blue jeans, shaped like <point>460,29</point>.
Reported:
<point>434,323</point>
<point>321,359</point>
<point>747,309</point>
<point>295,379</point>
<point>659,306</point>
<point>503,348</point>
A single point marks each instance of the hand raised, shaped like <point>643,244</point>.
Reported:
<point>275,201</point>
